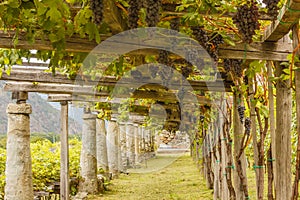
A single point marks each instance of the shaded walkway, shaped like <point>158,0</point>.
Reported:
<point>179,180</point>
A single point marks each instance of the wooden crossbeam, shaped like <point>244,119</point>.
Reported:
<point>89,90</point>
<point>44,77</point>
<point>66,97</point>
<point>277,52</point>
<point>288,16</point>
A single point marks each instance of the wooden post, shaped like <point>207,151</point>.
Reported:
<point>297,85</point>
<point>283,153</point>
<point>272,130</point>
<point>237,140</point>
<point>64,153</point>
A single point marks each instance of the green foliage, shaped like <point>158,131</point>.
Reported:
<point>46,163</point>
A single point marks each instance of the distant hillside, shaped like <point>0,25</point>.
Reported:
<point>44,117</point>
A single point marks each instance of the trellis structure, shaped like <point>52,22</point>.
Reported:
<point>275,46</point>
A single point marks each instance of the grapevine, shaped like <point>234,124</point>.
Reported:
<point>97,8</point>
<point>246,20</point>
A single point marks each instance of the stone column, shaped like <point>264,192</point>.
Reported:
<point>123,149</point>
<point>130,144</point>
<point>102,161</point>
<point>18,159</point>
<point>112,148</point>
<point>137,142</point>
<point>88,157</point>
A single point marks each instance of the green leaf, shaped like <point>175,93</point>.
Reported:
<point>54,15</point>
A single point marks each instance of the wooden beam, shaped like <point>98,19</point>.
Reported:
<point>288,16</point>
<point>67,97</point>
<point>52,88</point>
<point>75,44</point>
<point>44,77</point>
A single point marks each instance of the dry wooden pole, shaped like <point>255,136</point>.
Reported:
<point>297,84</point>
<point>272,129</point>
<point>283,154</point>
<point>64,152</point>
<point>237,140</point>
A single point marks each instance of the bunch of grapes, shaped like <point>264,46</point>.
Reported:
<point>175,23</point>
<point>246,20</point>
<point>247,125</point>
<point>210,43</point>
<point>181,93</point>
<point>241,111</point>
<point>153,70</point>
<point>235,66</point>
<point>272,6</point>
<point>166,73</point>
<point>227,65</point>
<point>152,12</point>
<point>133,13</point>
<point>97,7</point>
<point>200,35</point>
<point>246,80</point>
<point>163,57</point>
<point>186,69</point>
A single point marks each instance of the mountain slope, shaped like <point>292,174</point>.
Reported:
<point>44,117</point>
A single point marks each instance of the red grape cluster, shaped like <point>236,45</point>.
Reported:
<point>152,12</point>
<point>272,6</point>
<point>246,20</point>
<point>97,7</point>
<point>241,111</point>
<point>247,125</point>
<point>210,43</point>
<point>235,66</point>
<point>133,13</point>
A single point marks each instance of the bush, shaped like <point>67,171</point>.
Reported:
<point>46,164</point>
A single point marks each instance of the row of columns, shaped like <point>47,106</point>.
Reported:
<point>113,147</point>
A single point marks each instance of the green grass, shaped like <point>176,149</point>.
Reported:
<point>178,180</point>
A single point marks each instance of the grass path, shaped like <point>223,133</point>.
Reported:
<point>179,180</point>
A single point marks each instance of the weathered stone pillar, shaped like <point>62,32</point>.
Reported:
<point>123,149</point>
<point>88,157</point>
<point>112,148</point>
<point>130,144</point>
<point>137,133</point>
<point>18,159</point>
<point>102,161</point>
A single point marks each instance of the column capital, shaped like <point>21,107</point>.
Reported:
<point>89,116</point>
<point>22,108</point>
